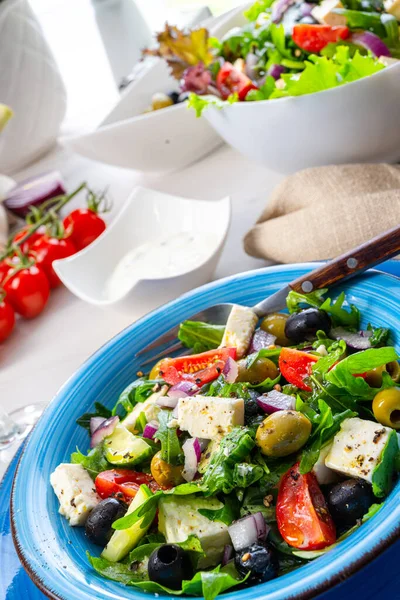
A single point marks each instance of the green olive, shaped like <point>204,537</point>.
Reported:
<point>260,370</point>
<point>386,407</point>
<point>275,324</point>
<point>393,368</point>
<point>165,474</point>
<point>374,377</point>
<point>283,433</point>
<point>160,100</point>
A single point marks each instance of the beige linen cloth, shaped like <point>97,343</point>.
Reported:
<point>321,212</point>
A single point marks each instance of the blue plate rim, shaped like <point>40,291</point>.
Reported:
<point>334,579</point>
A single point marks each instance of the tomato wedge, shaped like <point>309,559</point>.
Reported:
<point>295,366</point>
<point>301,512</point>
<point>313,38</point>
<point>197,368</point>
<point>230,81</point>
<point>122,481</point>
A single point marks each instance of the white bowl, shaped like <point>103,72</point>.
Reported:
<point>357,122</point>
<point>149,220</point>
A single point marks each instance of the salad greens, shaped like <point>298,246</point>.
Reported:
<point>232,450</point>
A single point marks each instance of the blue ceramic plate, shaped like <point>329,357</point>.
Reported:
<point>54,553</point>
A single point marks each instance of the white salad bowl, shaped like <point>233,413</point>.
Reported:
<point>168,242</point>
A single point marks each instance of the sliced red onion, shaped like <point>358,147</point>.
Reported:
<point>196,79</point>
<point>306,9</point>
<point>182,389</point>
<point>274,401</point>
<point>192,451</point>
<point>106,428</point>
<point>168,402</point>
<point>227,555</point>
<point>279,8</point>
<point>251,63</point>
<point>261,339</point>
<point>357,341</point>
<point>371,42</point>
<point>276,71</point>
<point>34,191</point>
<point>150,430</point>
<point>95,423</point>
<point>261,526</point>
<point>247,531</point>
<point>230,370</point>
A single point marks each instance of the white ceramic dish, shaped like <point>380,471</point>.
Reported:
<point>358,122</point>
<point>149,218</point>
<point>162,141</point>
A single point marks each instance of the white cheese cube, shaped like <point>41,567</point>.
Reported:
<point>393,7</point>
<point>75,491</point>
<point>179,518</point>
<point>209,417</point>
<point>149,407</point>
<point>322,473</point>
<point>323,13</point>
<point>357,448</point>
<point>239,329</point>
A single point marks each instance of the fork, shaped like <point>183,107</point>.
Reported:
<point>345,266</point>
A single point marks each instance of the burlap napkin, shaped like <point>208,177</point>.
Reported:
<point>321,212</point>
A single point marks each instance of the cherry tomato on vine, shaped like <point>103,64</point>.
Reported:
<point>7,319</point>
<point>46,250</point>
<point>27,245</point>
<point>27,290</point>
<point>85,225</point>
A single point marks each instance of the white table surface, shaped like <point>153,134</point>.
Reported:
<point>43,353</point>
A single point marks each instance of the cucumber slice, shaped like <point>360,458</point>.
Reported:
<point>124,448</point>
<point>124,540</point>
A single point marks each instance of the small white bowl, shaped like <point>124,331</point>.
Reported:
<point>150,227</point>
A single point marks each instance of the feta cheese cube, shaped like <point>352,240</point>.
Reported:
<point>365,450</point>
<point>179,518</point>
<point>393,7</point>
<point>323,13</point>
<point>209,417</point>
<point>75,491</point>
<point>239,329</point>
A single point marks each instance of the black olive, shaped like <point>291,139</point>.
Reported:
<point>304,325</point>
<point>251,408</point>
<point>174,97</point>
<point>349,501</point>
<point>260,560</point>
<point>169,565</point>
<point>98,526</point>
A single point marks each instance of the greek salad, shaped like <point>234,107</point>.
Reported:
<point>234,464</point>
<point>286,48</point>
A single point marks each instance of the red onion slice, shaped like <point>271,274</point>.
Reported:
<point>192,451</point>
<point>227,555</point>
<point>230,370</point>
<point>306,9</point>
<point>95,423</point>
<point>167,401</point>
<point>182,389</point>
<point>150,430</point>
<point>251,63</point>
<point>34,191</point>
<point>261,526</point>
<point>261,339</point>
<point>279,8</point>
<point>196,79</point>
<point>371,42</point>
<point>247,531</point>
<point>274,401</point>
<point>106,428</point>
<point>276,71</point>
<point>357,341</point>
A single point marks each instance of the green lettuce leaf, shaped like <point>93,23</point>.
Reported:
<point>200,103</point>
<point>227,514</point>
<point>200,336</point>
<point>171,451</point>
<point>255,10</point>
<point>136,392</point>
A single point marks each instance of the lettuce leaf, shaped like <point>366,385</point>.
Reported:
<point>200,336</point>
<point>94,462</point>
<point>171,451</point>
<point>255,10</point>
<point>200,103</point>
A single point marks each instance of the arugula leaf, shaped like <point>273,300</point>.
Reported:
<point>246,474</point>
<point>296,301</point>
<point>94,462</point>
<point>336,352</point>
<point>380,335</point>
<point>137,391</point>
<point>200,103</point>
<point>200,336</point>
<point>255,10</point>
<point>227,514</point>
<point>342,375</point>
<point>220,388</point>
<point>339,315</point>
<point>101,411</point>
<point>171,451</point>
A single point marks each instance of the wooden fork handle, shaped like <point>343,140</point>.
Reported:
<point>373,252</point>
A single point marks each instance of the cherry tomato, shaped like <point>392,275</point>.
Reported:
<point>85,225</point>
<point>295,366</point>
<point>27,245</point>
<point>7,319</point>
<point>122,481</point>
<point>197,368</point>
<point>47,249</point>
<point>313,38</point>
<point>231,80</point>
<point>27,290</point>
<point>302,513</point>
